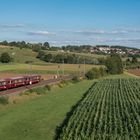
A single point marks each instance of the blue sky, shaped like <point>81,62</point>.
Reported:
<point>63,22</point>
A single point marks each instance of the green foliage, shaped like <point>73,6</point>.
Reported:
<point>66,58</point>
<point>63,83</point>
<point>48,57</point>
<point>134,59</point>
<point>48,87</point>
<point>75,79</point>
<point>5,58</point>
<point>36,48</point>
<point>46,44</point>
<point>114,64</point>
<point>39,90</point>
<point>108,110</point>
<point>41,55</point>
<point>95,73</point>
<point>4,100</point>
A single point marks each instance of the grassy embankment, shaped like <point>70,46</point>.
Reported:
<point>37,119</point>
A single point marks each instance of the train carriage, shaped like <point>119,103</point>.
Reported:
<point>3,84</point>
<point>19,81</point>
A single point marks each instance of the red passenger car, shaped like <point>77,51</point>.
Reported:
<point>19,81</point>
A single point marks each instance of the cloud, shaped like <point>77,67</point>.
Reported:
<point>40,33</point>
<point>12,25</point>
<point>122,40</point>
<point>101,32</point>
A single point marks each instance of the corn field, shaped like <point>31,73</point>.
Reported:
<point>109,110</point>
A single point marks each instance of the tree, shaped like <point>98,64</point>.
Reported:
<point>5,58</point>
<point>46,45</point>
<point>48,57</point>
<point>36,48</point>
<point>94,73</point>
<point>41,55</point>
<point>114,64</point>
<point>134,59</point>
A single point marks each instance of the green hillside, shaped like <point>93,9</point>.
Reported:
<point>21,55</point>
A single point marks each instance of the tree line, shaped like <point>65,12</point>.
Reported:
<point>23,44</point>
<point>65,58</point>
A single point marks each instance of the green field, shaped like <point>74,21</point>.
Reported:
<point>38,118</point>
<point>23,55</point>
<point>43,69</point>
<point>109,110</point>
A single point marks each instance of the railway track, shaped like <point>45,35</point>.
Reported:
<point>42,83</point>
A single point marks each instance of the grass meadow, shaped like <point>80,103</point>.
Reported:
<point>38,118</point>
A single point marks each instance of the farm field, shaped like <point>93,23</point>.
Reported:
<point>47,71</point>
<point>109,110</point>
<point>37,119</point>
<point>134,71</point>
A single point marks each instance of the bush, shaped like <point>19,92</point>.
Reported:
<point>95,73</point>
<point>60,85</point>
<point>4,100</point>
<point>5,58</point>
<point>64,82</point>
<point>39,90</point>
<point>75,79</point>
<point>48,87</point>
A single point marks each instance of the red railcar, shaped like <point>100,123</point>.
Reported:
<point>19,81</point>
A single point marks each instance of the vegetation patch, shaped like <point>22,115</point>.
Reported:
<point>109,110</point>
<point>4,100</point>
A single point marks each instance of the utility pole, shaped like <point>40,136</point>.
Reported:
<point>58,67</point>
<point>84,67</point>
<point>63,67</point>
<point>79,66</point>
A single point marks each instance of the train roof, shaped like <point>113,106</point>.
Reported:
<point>2,80</point>
<point>20,77</point>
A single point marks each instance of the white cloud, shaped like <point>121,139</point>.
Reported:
<point>101,32</point>
<point>40,33</point>
<point>12,25</point>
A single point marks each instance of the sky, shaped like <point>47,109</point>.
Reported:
<point>75,22</point>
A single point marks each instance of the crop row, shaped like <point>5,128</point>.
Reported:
<point>110,110</point>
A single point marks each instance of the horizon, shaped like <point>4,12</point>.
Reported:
<point>81,22</point>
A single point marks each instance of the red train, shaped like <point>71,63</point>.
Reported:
<point>19,81</point>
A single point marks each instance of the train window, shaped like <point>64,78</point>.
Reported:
<point>13,82</point>
<point>2,83</point>
<point>20,80</point>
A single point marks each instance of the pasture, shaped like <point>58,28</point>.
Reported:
<point>47,70</point>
